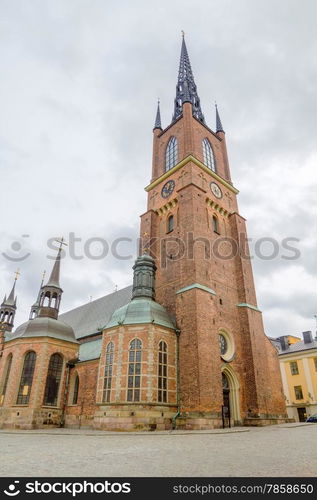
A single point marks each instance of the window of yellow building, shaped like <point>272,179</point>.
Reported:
<point>315,360</point>
<point>298,392</point>
<point>294,367</point>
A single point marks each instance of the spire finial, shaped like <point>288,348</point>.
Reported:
<point>219,127</point>
<point>186,90</point>
<point>158,123</point>
<point>17,274</point>
<point>61,241</point>
<point>54,277</point>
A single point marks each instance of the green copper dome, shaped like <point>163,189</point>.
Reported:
<point>44,327</point>
<point>141,311</point>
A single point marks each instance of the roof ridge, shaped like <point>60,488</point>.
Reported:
<point>95,300</point>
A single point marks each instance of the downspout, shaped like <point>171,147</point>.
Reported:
<point>70,364</point>
<point>2,333</point>
<point>177,381</point>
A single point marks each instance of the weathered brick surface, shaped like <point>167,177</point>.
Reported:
<point>221,265</point>
<point>81,415</point>
<point>35,414</point>
<point>149,412</point>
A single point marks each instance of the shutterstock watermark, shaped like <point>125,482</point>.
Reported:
<point>164,249</point>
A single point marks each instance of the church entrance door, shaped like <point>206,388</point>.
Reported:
<point>226,402</point>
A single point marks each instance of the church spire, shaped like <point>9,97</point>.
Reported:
<point>157,123</point>
<point>54,277</point>
<point>219,127</point>
<point>36,306</point>
<point>186,90</point>
<point>9,306</point>
<point>51,293</point>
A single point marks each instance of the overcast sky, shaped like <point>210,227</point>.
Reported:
<point>79,81</point>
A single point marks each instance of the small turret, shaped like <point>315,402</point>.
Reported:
<point>157,123</point>
<point>51,293</point>
<point>36,306</point>
<point>9,307</point>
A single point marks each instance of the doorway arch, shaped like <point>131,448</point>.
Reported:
<point>233,391</point>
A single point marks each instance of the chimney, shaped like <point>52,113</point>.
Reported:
<point>284,342</point>
<point>308,337</point>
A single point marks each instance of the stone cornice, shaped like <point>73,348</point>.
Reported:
<point>191,158</point>
<point>196,285</point>
<point>249,306</point>
<point>167,207</point>
<point>213,204</point>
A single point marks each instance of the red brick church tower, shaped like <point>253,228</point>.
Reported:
<point>227,368</point>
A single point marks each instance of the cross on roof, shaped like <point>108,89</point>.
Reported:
<point>61,241</point>
<point>17,274</point>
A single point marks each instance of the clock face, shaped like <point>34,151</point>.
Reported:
<point>215,189</point>
<point>223,344</point>
<point>167,189</point>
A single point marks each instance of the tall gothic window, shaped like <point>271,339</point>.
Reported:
<point>26,379</point>
<point>134,373</point>
<point>6,378</point>
<point>209,158</point>
<point>108,373</point>
<point>53,380</point>
<point>76,389</point>
<point>215,224</point>
<point>171,157</point>
<point>162,372</point>
<point>170,223</point>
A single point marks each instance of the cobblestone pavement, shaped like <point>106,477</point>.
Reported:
<point>286,450</point>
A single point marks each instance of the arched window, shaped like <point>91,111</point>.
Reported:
<point>209,158</point>
<point>108,373</point>
<point>26,379</point>
<point>6,378</point>
<point>170,223</point>
<point>134,373</point>
<point>215,224</point>
<point>76,389</point>
<point>171,156</point>
<point>162,372</point>
<point>53,379</point>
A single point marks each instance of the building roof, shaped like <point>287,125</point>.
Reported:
<point>90,350</point>
<point>44,327</point>
<point>91,318</point>
<point>297,347</point>
<point>141,311</point>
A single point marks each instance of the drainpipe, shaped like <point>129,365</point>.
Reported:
<point>2,333</point>
<point>177,381</point>
<point>70,364</point>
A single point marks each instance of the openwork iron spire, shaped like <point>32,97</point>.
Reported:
<point>157,123</point>
<point>186,90</point>
<point>219,127</point>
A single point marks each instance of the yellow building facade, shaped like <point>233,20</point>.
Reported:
<point>298,363</point>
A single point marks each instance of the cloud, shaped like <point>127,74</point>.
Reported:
<point>78,90</point>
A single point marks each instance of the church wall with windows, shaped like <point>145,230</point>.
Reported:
<point>136,404</point>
